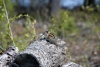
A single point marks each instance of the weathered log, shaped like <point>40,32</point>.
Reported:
<point>41,54</point>
<point>8,56</point>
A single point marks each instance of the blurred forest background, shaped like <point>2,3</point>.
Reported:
<point>77,22</point>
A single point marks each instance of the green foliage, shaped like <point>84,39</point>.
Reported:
<point>20,41</point>
<point>2,14</point>
<point>10,8</point>
<point>29,34</point>
<point>65,25</point>
<point>6,37</point>
<point>3,30</point>
<point>99,47</point>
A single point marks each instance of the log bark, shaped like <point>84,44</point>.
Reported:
<point>8,56</point>
<point>42,54</point>
<point>71,64</point>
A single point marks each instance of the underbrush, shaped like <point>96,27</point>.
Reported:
<point>65,25</point>
<point>7,37</point>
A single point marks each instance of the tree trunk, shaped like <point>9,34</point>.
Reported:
<point>54,7</point>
